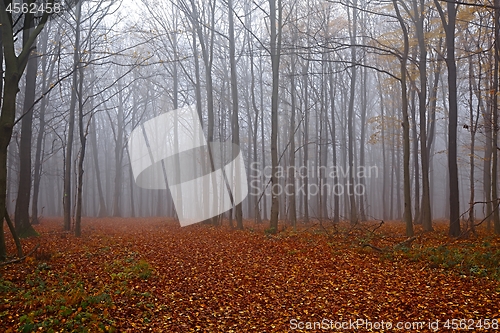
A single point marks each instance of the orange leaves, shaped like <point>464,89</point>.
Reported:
<point>149,274</point>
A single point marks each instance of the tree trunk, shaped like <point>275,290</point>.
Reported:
<point>71,124</point>
<point>207,54</point>
<point>95,156</point>
<point>362,180</point>
<point>81,157</point>
<point>118,158</point>
<point>353,215</point>
<point>6,125</point>
<point>41,131</point>
<point>21,215</point>
<point>494,162</point>
<point>234,93</point>
<point>263,137</point>
<point>385,178</point>
<point>449,27</point>
<point>426,217</point>
<point>254,172</point>
<point>305,178</point>
<point>415,153</point>
<point>275,61</point>
<point>406,128</point>
<point>472,129</point>
<point>291,193</point>
<point>14,67</point>
<point>336,199</point>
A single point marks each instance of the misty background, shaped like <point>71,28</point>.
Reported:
<point>309,84</point>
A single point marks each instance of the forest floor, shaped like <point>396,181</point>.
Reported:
<point>138,275</point>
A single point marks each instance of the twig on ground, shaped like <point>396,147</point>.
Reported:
<point>20,259</point>
<point>373,247</point>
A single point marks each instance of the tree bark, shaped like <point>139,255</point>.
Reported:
<point>449,27</point>
<point>425,212</point>
<point>234,93</point>
<point>336,199</point>
<point>37,175</point>
<point>275,21</point>
<point>81,158</point>
<point>21,215</point>
<point>14,67</point>
<point>353,214</point>
<point>406,127</point>
<point>71,124</point>
<point>494,162</point>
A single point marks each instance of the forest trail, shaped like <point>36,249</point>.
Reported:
<point>137,275</point>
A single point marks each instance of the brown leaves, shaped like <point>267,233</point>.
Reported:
<point>150,274</point>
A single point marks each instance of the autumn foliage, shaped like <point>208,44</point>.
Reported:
<point>138,275</point>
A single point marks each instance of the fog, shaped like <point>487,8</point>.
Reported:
<point>325,94</point>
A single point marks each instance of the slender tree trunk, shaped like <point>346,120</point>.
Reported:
<point>494,162</point>
<point>344,151</point>
<point>1,62</point>
<point>234,93</point>
<point>350,121</point>
<point>263,137</point>
<point>21,215</point>
<point>472,130</point>
<point>322,137</point>
<point>485,112</point>
<point>254,172</point>
<point>41,131</point>
<point>425,212</point>
<point>95,155</point>
<point>449,26</point>
<point>406,127</point>
<point>71,124</point>
<point>275,21</point>
<point>385,178</point>
<point>207,53</point>
<point>119,158</point>
<point>393,163</point>
<point>291,193</point>
<point>415,153</point>
<point>487,166</point>
<point>305,178</point>
<point>81,157</point>
<point>433,103</point>
<point>364,105</point>
<point>197,77</point>
<point>336,199</point>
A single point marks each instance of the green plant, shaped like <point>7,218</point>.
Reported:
<point>270,231</point>
<point>142,269</point>
<point>469,259</point>
<point>7,286</point>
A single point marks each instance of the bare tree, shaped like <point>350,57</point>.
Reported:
<point>449,20</point>
<point>275,16</point>
<point>15,65</point>
<point>22,217</point>
<point>406,125</point>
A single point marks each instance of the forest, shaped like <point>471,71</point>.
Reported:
<point>249,165</point>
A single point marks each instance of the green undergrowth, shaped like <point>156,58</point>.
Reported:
<point>471,259</point>
<point>56,300</point>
